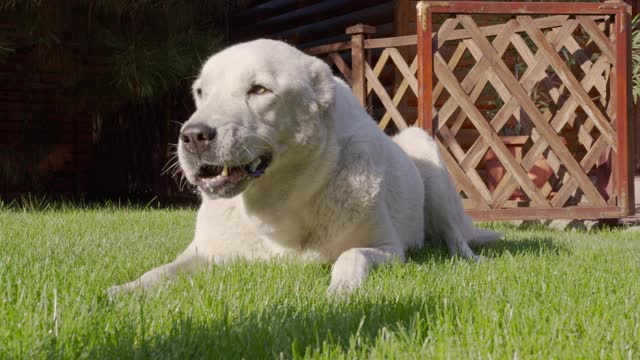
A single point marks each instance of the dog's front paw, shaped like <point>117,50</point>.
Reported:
<point>480,259</point>
<point>342,287</point>
<point>119,289</point>
<point>114,291</point>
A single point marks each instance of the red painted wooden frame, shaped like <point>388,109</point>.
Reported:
<point>622,162</point>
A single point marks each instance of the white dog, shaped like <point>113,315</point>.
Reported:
<point>288,162</point>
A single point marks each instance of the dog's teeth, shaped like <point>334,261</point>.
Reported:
<point>254,164</point>
<point>225,170</point>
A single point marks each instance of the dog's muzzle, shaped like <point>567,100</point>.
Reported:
<point>215,176</point>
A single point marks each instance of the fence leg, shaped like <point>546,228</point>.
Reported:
<point>358,60</point>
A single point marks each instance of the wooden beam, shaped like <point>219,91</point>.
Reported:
<point>574,212</point>
<point>358,60</point>
<point>541,8</point>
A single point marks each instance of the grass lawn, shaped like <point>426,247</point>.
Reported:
<point>546,294</point>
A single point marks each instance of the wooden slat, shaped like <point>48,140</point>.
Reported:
<point>460,177</point>
<point>557,123</point>
<point>406,40</point>
<point>475,76</point>
<point>527,104</point>
<point>448,25</point>
<point>623,156</point>
<point>588,162</point>
<point>323,49</point>
<point>543,8</point>
<point>424,30</point>
<point>574,212</point>
<point>569,80</point>
<point>443,32</point>
<point>529,58</point>
<point>453,146</point>
<point>584,136</point>
<point>478,152</point>
<point>472,174</point>
<point>492,30</point>
<point>397,97</point>
<point>378,67</point>
<point>341,65</point>
<point>562,117</point>
<point>455,58</point>
<point>489,134</point>
<point>598,37</point>
<point>384,98</point>
<point>404,69</point>
<point>527,81</point>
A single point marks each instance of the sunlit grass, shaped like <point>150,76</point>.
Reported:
<point>544,294</point>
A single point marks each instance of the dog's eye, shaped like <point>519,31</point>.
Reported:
<point>258,90</point>
<point>199,92</point>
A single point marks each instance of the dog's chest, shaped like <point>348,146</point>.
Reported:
<point>297,230</point>
<point>284,228</point>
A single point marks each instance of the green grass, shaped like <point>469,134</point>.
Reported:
<point>545,294</point>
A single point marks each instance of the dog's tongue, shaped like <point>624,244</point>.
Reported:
<point>235,175</point>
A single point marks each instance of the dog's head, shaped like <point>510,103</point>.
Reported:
<point>255,102</point>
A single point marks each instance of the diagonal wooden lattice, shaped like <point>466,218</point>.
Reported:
<point>543,126</point>
<point>409,81</point>
<point>390,57</point>
<point>574,63</point>
<point>334,58</point>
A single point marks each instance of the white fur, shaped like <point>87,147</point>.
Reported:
<point>338,189</point>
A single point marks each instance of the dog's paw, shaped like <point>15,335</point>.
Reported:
<point>120,289</point>
<point>480,259</point>
<point>114,291</point>
<point>342,287</point>
<point>344,282</point>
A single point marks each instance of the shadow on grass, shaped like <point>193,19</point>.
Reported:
<point>280,330</point>
<point>534,245</point>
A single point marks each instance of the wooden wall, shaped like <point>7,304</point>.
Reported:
<point>307,23</point>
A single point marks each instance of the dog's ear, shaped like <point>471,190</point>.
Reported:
<point>322,83</point>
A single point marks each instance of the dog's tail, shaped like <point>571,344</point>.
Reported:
<point>443,209</point>
<point>483,236</point>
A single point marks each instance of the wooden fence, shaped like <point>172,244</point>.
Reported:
<point>377,85</point>
<point>531,109</point>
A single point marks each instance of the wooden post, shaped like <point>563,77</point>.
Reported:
<point>358,59</point>
<point>635,148</point>
<point>624,120</point>
<point>402,13</point>
<point>425,66</point>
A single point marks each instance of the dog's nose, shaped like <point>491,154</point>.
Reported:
<point>196,137</point>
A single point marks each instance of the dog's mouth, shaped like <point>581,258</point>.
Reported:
<point>211,177</point>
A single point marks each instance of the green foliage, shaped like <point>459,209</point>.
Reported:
<point>148,46</point>
<point>544,294</point>
<point>635,57</point>
<point>5,49</point>
<point>12,4</point>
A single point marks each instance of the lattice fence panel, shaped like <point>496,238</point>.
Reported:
<point>529,108</point>
<point>524,106</point>
<point>392,87</point>
<point>389,77</point>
